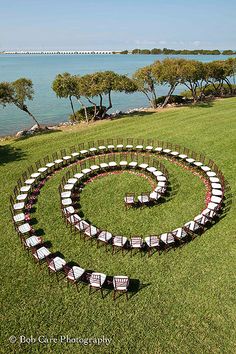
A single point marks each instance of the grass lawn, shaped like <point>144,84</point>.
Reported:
<point>186,303</point>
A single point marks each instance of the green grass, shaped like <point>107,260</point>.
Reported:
<point>187,300</point>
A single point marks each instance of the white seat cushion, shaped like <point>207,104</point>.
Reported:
<point>205,168</point>
<point>201,219</point>
<point>211,174</point>
<point>19,206</point>
<point>161,178</point>
<point>149,147</point>
<point>190,160</point>
<point>129,200</point>
<point>72,180</point>
<point>102,279</point>
<point>210,213</point>
<point>143,165</point>
<point>133,164</point>
<point>82,225</point>
<point>212,206</point>
<point>24,228</point>
<point>154,195</point>
<point>25,188</point>
<point>66,201</point>
<point>67,157</point>
<point>119,242</point>
<point>75,154</point>
<point>129,146</point>
<point>151,169</point>
<point>94,167</point>
<point>191,225</point>
<point>152,241</point>
<point>21,197</point>
<point>217,192</point>
<point>30,181</point>
<point>216,200</point>
<point>41,253</point>
<point>58,161</point>
<point>161,184</point>
<point>92,149</point>
<point>85,171</point>
<point>42,169</point>
<point>35,175</point>
<point>174,153</point>
<point>104,236</point>
<point>57,264</point>
<point>198,163</point>
<point>91,231</point>
<point>50,164</point>
<point>102,147</point>
<point>167,238</point>
<point>19,217</point>
<point>79,175</point>
<point>214,180</point>
<point>157,173</point>
<point>143,198</point>
<point>166,151</point>
<point>112,164</point>
<point>68,187</point>
<point>75,273</point>
<point>158,149</point>
<point>104,165</point>
<point>123,163</point>
<point>139,147</point>
<point>83,152</point>
<point>69,209</point>
<point>65,194</point>
<point>33,241</point>
<point>111,146</point>
<point>216,185</point>
<point>119,146</point>
<point>180,233</point>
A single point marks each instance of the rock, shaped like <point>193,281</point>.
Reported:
<point>34,127</point>
<point>21,133</point>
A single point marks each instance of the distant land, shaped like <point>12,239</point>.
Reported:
<point>154,51</point>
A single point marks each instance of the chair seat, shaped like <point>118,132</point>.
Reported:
<point>19,206</point>
<point>82,225</point>
<point>139,147</point>
<point>166,151</point>
<point>21,197</point>
<point>83,152</point>
<point>152,241</point>
<point>19,217</point>
<point>85,171</point>
<point>120,282</point>
<point>74,218</point>
<point>75,154</point>
<point>119,242</point>
<point>212,206</point>
<point>91,231</point>
<point>94,283</point>
<point>94,167</point>
<point>57,264</point>
<point>158,149</point>
<point>30,181</point>
<point>154,195</point>
<point>75,273</point>
<point>92,149</point>
<point>67,157</point>
<point>201,219</point>
<point>42,169</point>
<point>205,168</point>
<point>161,178</point>
<point>174,153</point>
<point>133,164</point>
<point>50,164</point>
<point>157,173</point>
<point>214,180</point>
<point>102,147</point>
<point>112,164</point>
<point>210,213</point>
<point>183,156</point>
<point>120,146</point>
<point>24,228</point>
<point>198,163</point>
<point>217,192</point>
<point>129,200</point>
<point>161,184</point>
<point>149,147</point>
<point>41,253</point>
<point>192,225</point>
<point>79,175</point>
<point>33,241</point>
<point>70,209</point>
<point>25,188</point>
<point>123,163</point>
<point>111,146</point>
<point>129,146</point>
<point>104,236</point>
<point>179,233</point>
<point>216,185</point>
<point>151,169</point>
<point>65,194</point>
<point>216,200</point>
<point>136,243</point>
<point>58,161</point>
<point>211,174</point>
<point>190,160</point>
<point>66,201</point>
<point>143,198</point>
<point>72,180</point>
<point>104,165</point>
<point>167,238</point>
<point>35,175</point>
<point>143,165</point>
<point>68,187</point>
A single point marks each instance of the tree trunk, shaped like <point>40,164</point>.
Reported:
<point>25,109</point>
<point>95,107</point>
<point>85,110</point>
<point>72,107</point>
<point>171,90</point>
<point>149,99</point>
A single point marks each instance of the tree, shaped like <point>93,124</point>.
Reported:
<point>168,72</point>
<point>192,76</point>
<point>65,86</point>
<point>17,93</point>
<point>146,81</point>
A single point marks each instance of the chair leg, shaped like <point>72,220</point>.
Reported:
<point>102,292</point>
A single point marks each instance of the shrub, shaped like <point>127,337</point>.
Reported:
<point>210,91</point>
<point>80,115</point>
<point>177,99</point>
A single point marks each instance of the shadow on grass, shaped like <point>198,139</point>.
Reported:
<point>10,154</point>
<point>133,114</point>
<point>207,104</point>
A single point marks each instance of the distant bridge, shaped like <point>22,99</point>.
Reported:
<point>58,52</point>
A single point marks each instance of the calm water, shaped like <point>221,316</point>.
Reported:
<point>42,70</point>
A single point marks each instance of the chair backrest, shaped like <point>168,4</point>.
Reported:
<point>55,156</point>
<point>72,149</point>
<point>139,141</point>
<point>119,141</point>
<point>120,282</point>
<point>37,164</point>
<point>130,141</point>
<point>63,152</point>
<point>96,278</point>
<point>100,143</point>
<point>30,169</point>
<point>81,146</point>
<point>110,142</point>
<point>46,159</point>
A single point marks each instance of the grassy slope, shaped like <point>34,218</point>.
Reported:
<point>188,301</point>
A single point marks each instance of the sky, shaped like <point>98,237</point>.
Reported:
<point>117,24</point>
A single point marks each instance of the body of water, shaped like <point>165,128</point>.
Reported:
<point>42,69</point>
